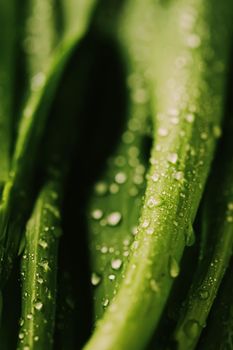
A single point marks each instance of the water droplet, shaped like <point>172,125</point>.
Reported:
<point>21,335</point>
<point>116,264</point>
<point>174,267</point>
<point>105,302</point>
<point>190,118</point>
<point>104,250</point>
<point>111,277</point>
<point>152,202</point>
<point>145,223</point>
<point>175,120</point>
<point>37,81</point>
<point>133,191</point>
<point>36,338</point>
<point>204,294</point>
<point>140,169</point>
<point>21,322</point>
<point>101,188</point>
<point>38,305</point>
<point>193,41</point>
<point>154,285</point>
<point>192,328</point>
<point>150,230</point>
<point>138,179</point>
<point>155,177</point>
<point>40,280</point>
<point>120,161</point>
<point>120,178</point>
<point>163,132</point>
<point>114,218</point>
<point>140,96</point>
<point>204,136</point>
<point>179,175</point>
<point>95,279</point>
<point>126,242</point>
<point>45,265</point>
<point>43,244</point>
<point>134,231</point>
<point>113,188</point>
<point>29,316</point>
<point>217,131</point>
<point>172,158</point>
<point>128,137</point>
<point>97,214</point>
<point>133,152</point>
<point>173,112</point>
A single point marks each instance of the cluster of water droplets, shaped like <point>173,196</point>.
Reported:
<point>38,265</point>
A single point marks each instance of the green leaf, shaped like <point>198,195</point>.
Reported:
<point>217,250</point>
<point>116,201</point>
<point>16,198</point>
<point>218,334</point>
<point>44,227</point>
<point>187,106</point>
<point>7,62</point>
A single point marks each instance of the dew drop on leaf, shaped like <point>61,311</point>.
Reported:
<point>163,132</point>
<point>38,305</point>
<point>190,118</point>
<point>204,294</point>
<point>172,158</point>
<point>97,214</point>
<point>152,202</point>
<point>192,328</point>
<point>150,230</point>
<point>174,268</point>
<point>105,302</point>
<point>113,188</point>
<point>45,265</point>
<point>114,218</point>
<point>26,347</point>
<point>21,322</point>
<point>217,132</point>
<point>116,264</point>
<point>179,175</point>
<point>120,178</point>
<point>154,286</point>
<point>43,244</point>
<point>21,335</point>
<point>104,250</point>
<point>101,188</point>
<point>204,136</point>
<point>155,177</point>
<point>95,279</point>
<point>145,223</point>
<point>40,280</point>
<point>111,277</point>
